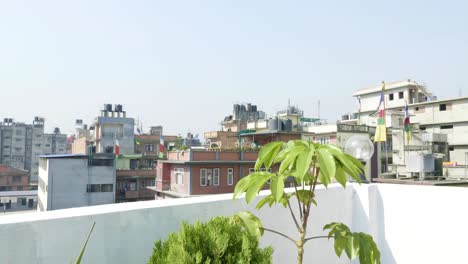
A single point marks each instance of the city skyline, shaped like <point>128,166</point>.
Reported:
<point>168,62</point>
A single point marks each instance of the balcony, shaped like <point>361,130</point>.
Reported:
<point>411,224</point>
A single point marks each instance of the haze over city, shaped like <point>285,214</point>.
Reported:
<point>182,64</point>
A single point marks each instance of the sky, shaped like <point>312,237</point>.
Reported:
<point>183,64</point>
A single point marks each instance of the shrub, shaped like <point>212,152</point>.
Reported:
<point>219,241</point>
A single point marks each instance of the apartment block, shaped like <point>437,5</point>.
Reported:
<point>21,144</point>
<point>74,180</point>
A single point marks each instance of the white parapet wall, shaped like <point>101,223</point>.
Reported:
<point>411,224</point>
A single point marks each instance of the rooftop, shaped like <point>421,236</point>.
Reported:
<point>410,224</point>
<point>392,85</point>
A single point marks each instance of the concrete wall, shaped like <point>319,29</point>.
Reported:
<point>411,224</point>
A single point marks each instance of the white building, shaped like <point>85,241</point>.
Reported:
<point>426,111</point>
<point>67,181</point>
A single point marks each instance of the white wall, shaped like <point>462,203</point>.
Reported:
<point>411,224</point>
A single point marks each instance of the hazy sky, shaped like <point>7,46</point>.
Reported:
<point>182,64</point>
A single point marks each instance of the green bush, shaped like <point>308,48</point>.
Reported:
<point>219,241</point>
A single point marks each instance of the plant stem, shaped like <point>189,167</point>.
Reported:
<point>298,202</point>
<point>311,238</point>
<point>300,248</point>
<point>294,217</point>
<point>279,233</point>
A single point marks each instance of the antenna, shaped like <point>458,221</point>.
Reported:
<point>318,108</point>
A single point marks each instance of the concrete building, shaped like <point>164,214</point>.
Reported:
<point>67,181</point>
<point>21,144</point>
<point>111,126</point>
<point>137,171</point>
<point>428,114</point>
<point>188,173</point>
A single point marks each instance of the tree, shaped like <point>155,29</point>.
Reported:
<point>306,163</point>
<point>219,241</point>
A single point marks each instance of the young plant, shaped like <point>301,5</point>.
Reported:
<point>306,164</point>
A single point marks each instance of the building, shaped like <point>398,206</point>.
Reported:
<point>112,127</point>
<point>137,171</point>
<point>74,180</point>
<point>427,114</point>
<point>12,179</point>
<point>222,140</point>
<point>21,144</point>
<point>191,173</point>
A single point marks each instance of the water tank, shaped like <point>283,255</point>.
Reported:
<point>242,108</point>
<point>236,108</point>
<point>287,125</point>
<point>108,107</point>
<point>274,124</point>
<point>5,120</point>
<point>118,108</point>
<point>254,108</point>
<point>249,107</point>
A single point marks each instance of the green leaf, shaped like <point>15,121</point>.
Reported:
<point>340,176</point>
<point>290,158</point>
<point>340,245</point>
<point>78,260</point>
<point>277,187</point>
<point>250,222</point>
<point>303,196</point>
<point>303,162</point>
<point>241,186</point>
<point>264,201</point>
<point>256,184</point>
<point>267,154</point>
<point>354,244</point>
<point>324,178</point>
<point>327,165</point>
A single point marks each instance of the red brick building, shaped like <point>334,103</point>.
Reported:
<point>191,172</point>
<point>12,179</point>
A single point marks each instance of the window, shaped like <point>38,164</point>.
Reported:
<point>251,170</point>
<point>216,177</point>
<point>230,176</point>
<point>442,107</point>
<point>153,182</point>
<point>142,184</point>
<point>133,186</point>
<point>150,163</point>
<point>422,128</point>
<point>400,95</point>
<point>179,175</point>
<point>209,177</point>
<point>37,145</point>
<point>100,188</point>
<point>446,127</point>
<point>390,97</point>
<point>122,185</point>
<point>16,178</point>
<point>93,188</point>
<point>133,164</point>
<point>149,147</point>
<point>107,187</point>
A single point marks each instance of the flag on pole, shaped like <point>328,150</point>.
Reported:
<point>359,111</point>
<point>381,129</point>
<point>407,124</point>
<point>117,147</point>
<point>161,147</point>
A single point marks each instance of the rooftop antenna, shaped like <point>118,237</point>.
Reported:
<point>318,110</point>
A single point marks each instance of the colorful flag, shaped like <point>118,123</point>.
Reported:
<point>381,129</point>
<point>161,147</point>
<point>407,124</point>
<point>117,147</point>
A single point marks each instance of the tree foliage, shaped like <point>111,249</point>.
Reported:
<point>221,240</point>
<point>307,164</point>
